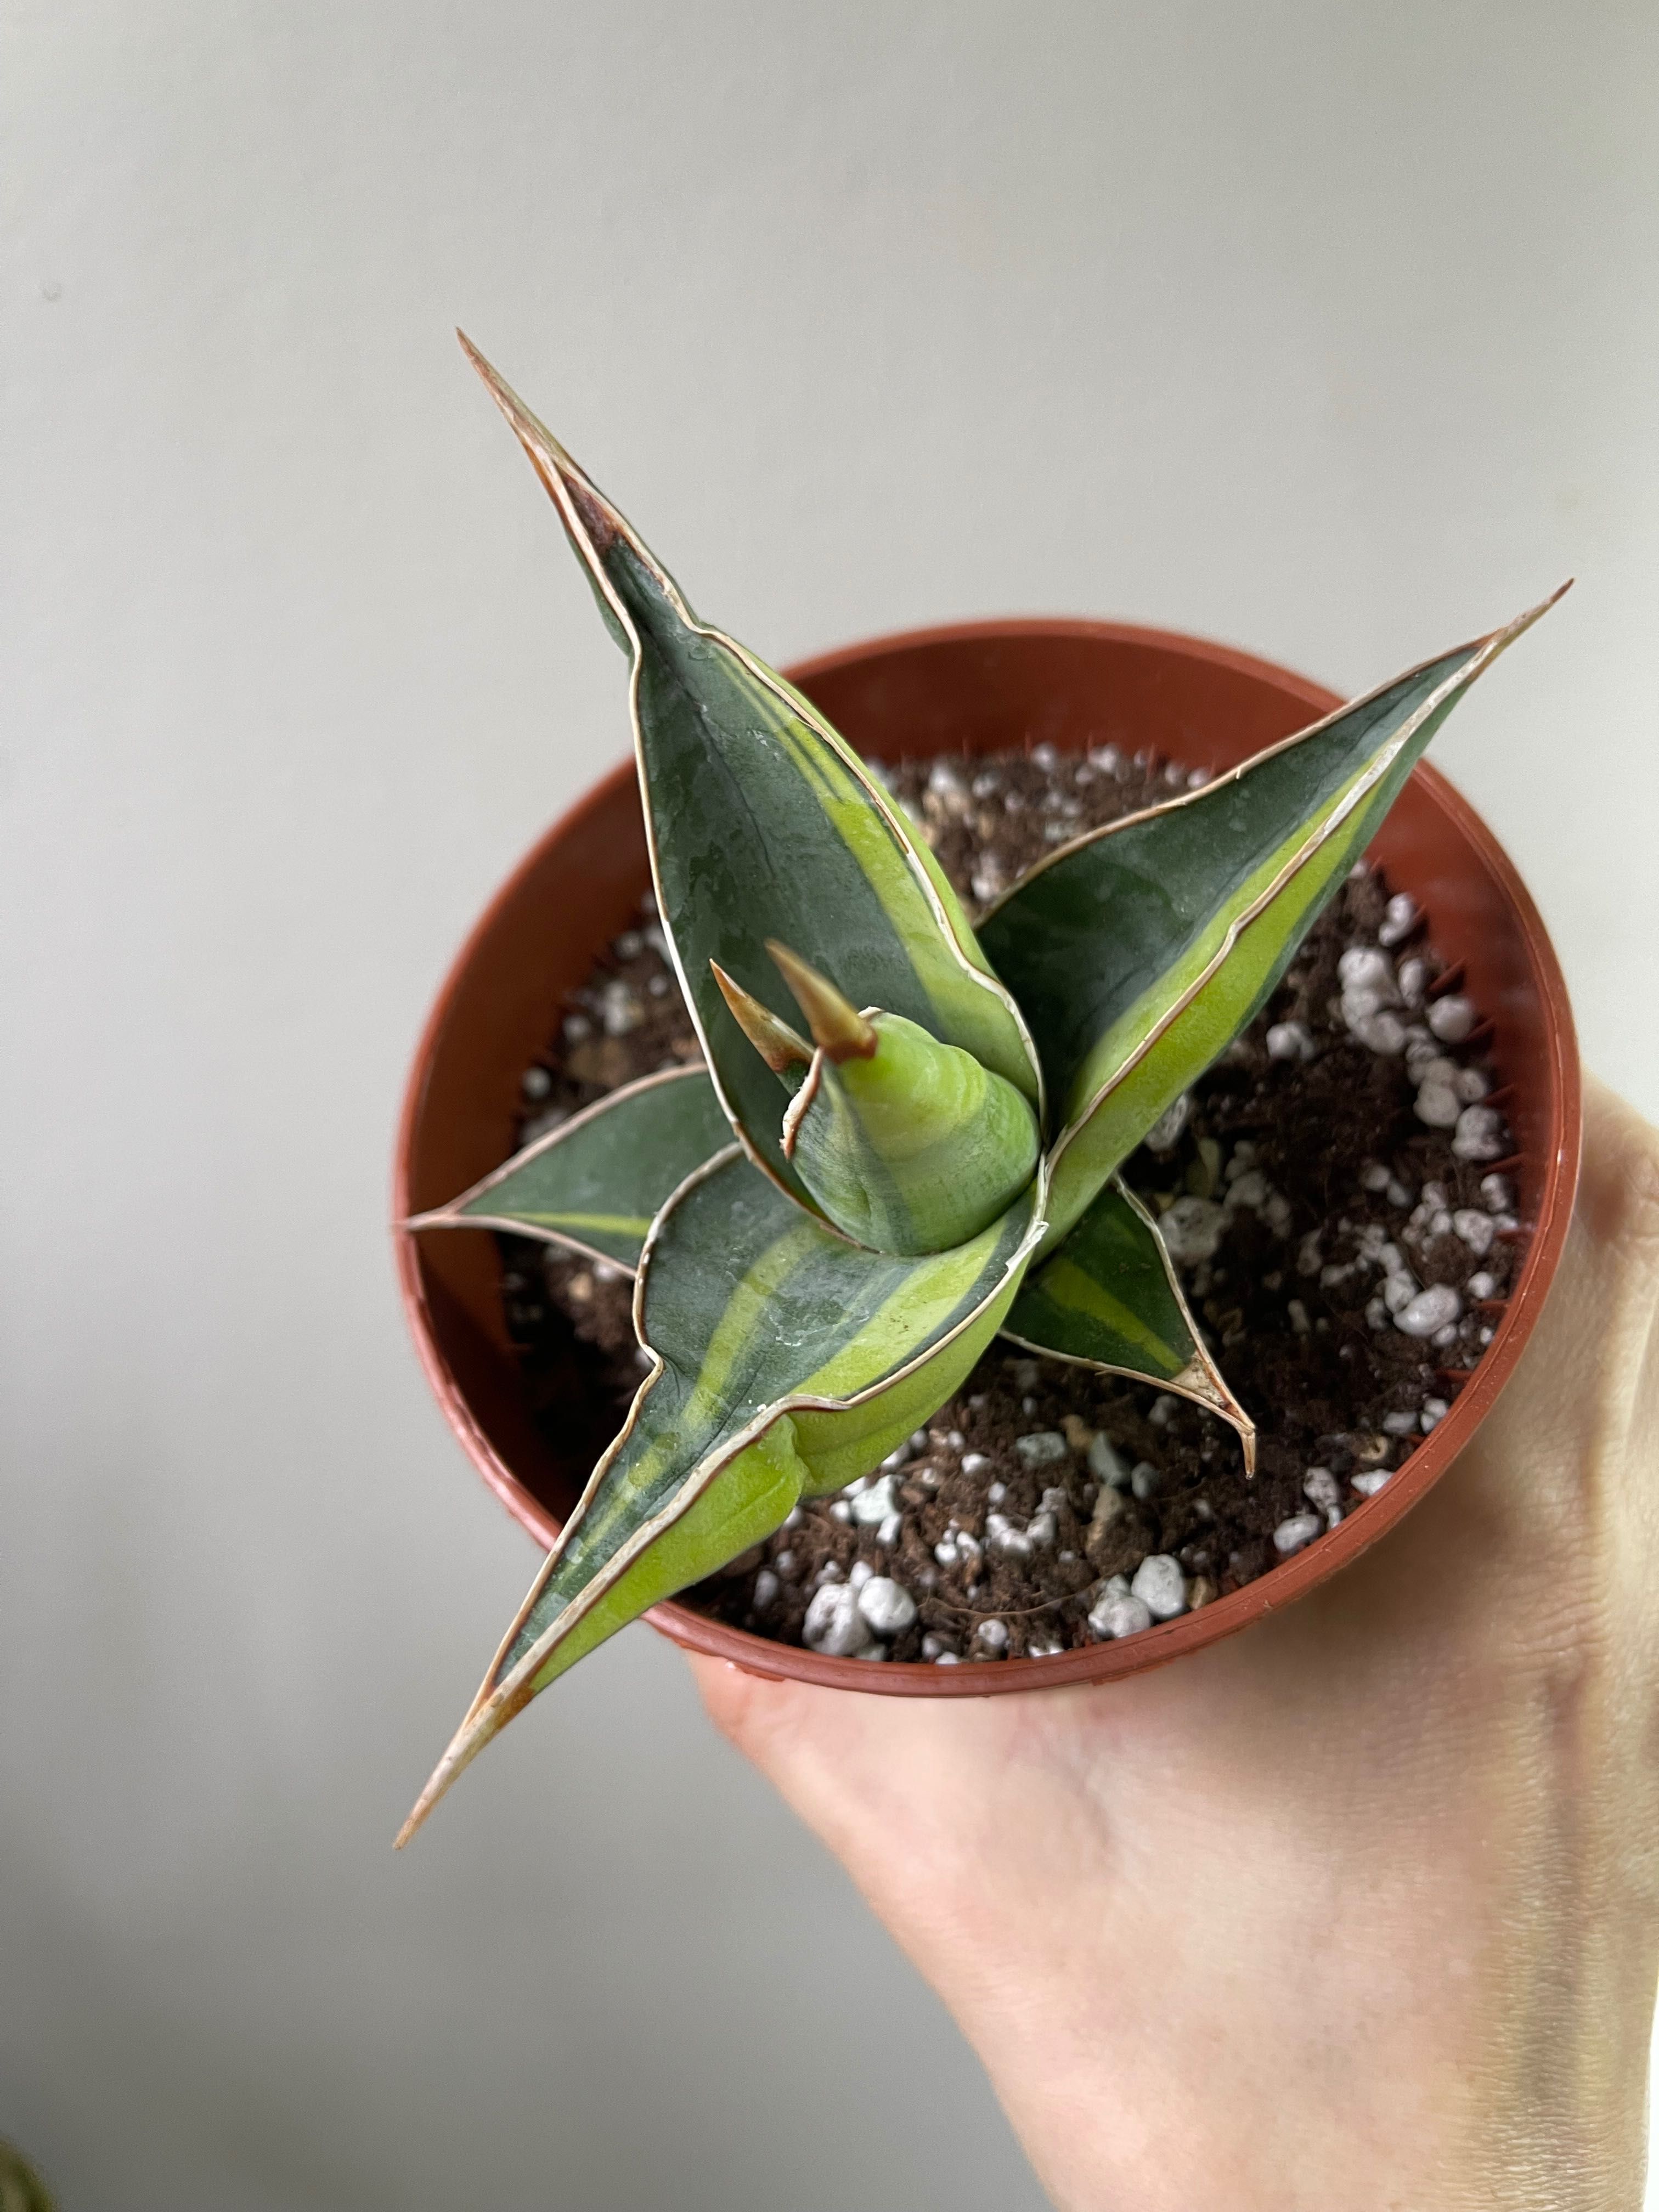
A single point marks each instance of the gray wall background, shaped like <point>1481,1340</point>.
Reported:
<point>1329,331</point>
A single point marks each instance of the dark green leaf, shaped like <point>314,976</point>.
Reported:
<point>1110,1298</point>
<point>595,1183</point>
<point>787,1360</point>
<point>1138,952</point>
<point>763,823</point>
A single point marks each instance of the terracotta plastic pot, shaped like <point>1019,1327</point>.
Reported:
<point>984,687</point>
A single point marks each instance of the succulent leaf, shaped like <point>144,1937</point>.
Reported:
<point>595,1183</point>
<point>786,1361</point>
<point>1139,951</point>
<point>838,1028</point>
<point>782,1049</point>
<point>762,821</point>
<point>911,1145</point>
<point>1109,1297</point>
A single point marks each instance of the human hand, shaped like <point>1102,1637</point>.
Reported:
<point>1361,1907</point>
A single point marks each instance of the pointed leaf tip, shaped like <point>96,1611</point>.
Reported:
<point>484,1721</point>
<point>835,1022</point>
<point>563,480</point>
<point>777,1044</point>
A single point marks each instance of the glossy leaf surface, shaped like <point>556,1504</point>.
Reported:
<point>1138,952</point>
<point>788,1361</point>
<point>763,823</point>
<point>1109,1297</point>
<point>915,1149</point>
<point>595,1183</point>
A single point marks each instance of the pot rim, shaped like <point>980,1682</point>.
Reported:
<point>1281,1584</point>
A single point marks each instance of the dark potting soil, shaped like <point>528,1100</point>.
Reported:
<point>1305,1197</point>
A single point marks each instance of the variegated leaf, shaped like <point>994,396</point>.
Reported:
<point>785,1360</point>
<point>595,1183</point>
<point>1109,1297</point>
<point>1139,951</point>
<point>763,823</point>
<point>916,1148</point>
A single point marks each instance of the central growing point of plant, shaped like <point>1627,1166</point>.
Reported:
<point>828,1226</point>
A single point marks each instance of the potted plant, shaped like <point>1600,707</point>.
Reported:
<point>889,1136</point>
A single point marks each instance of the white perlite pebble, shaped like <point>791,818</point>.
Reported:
<point>1470,1084</point>
<point>1042,1448</point>
<point>1003,1538</point>
<point>1475,1229</point>
<point>1399,919</point>
<point>888,1534</point>
<point>1320,1488</point>
<point>1105,1465</point>
<point>834,1625</point>
<point>766,1591</point>
<point>876,1503</point>
<point>1451,1019</point>
<point>1290,1041</point>
<point>992,1634</point>
<point>1191,1230</point>
<point>1363,968</point>
<point>1041,1530</point>
<point>975,1463</point>
<point>1118,1616</point>
<point>1380,1031</point>
<point>1298,1530</point>
<point>1400,1425</point>
<point>887,1605</point>
<point>1434,1410</point>
<point>1439,1107</point>
<point>1420,1049</point>
<point>934,1646</point>
<point>1496,1193</point>
<point>1160,1586</point>
<point>1430,1311</point>
<point>1481,1285</point>
<point>1248,1190</point>
<point>1368,1485</point>
<point>859,1573</point>
<point>1399,1290</point>
<point>1413,980</point>
<point>1479,1135</point>
<point>1374,1176</point>
<point>1143,1478</point>
<point>1165,1133</point>
<point>619,1008</point>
